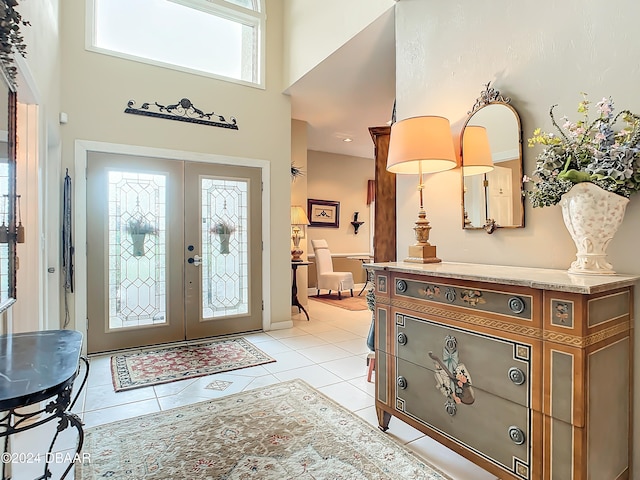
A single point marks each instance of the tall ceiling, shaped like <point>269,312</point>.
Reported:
<point>351,90</point>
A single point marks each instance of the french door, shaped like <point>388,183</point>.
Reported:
<point>174,251</point>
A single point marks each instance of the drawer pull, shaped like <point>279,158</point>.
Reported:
<point>450,295</point>
<point>451,408</point>
<point>517,376</point>
<point>402,382</point>
<point>516,305</point>
<point>516,435</point>
<point>402,338</point>
<point>401,286</point>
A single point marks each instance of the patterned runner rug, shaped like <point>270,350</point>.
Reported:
<point>283,431</point>
<point>348,302</point>
<point>167,364</point>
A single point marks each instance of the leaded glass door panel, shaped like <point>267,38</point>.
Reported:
<point>223,229</point>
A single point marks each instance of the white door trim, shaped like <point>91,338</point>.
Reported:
<point>82,149</point>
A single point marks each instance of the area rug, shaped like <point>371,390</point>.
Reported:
<point>283,431</point>
<point>168,364</point>
<point>348,302</point>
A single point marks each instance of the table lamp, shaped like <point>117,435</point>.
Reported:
<point>298,219</point>
<point>420,145</point>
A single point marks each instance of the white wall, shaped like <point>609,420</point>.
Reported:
<point>343,179</point>
<point>95,92</point>
<point>541,56</point>
<point>314,30</point>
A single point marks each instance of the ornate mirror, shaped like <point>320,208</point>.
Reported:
<point>491,152</point>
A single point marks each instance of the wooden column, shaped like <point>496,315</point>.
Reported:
<point>384,235</point>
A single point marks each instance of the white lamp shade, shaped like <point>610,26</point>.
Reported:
<point>421,144</point>
<point>476,152</point>
<point>298,217</point>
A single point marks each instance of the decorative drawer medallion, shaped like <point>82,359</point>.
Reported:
<point>477,299</point>
<point>452,377</point>
<point>562,313</point>
<point>381,283</point>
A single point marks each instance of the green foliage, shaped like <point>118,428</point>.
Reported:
<point>11,40</point>
<point>587,151</point>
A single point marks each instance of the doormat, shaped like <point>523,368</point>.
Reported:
<point>348,302</point>
<point>283,431</point>
<point>168,364</point>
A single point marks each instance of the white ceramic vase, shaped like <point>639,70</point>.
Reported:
<point>592,216</point>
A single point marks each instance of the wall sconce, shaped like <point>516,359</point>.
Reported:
<point>421,145</point>
<point>356,224</point>
<point>298,219</point>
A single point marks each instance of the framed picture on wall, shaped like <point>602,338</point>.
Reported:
<point>323,213</point>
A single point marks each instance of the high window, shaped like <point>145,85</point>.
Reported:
<point>218,38</point>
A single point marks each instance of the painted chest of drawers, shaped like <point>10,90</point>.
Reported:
<point>526,372</point>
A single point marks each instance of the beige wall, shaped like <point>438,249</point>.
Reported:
<point>314,30</point>
<point>95,92</point>
<point>299,196</point>
<point>446,51</point>
<point>343,179</point>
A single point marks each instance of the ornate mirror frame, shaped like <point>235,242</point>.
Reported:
<point>492,200</point>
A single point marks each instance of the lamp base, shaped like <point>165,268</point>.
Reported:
<point>422,254</point>
<point>295,255</point>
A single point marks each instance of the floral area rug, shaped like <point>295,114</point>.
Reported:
<point>283,431</point>
<point>162,365</point>
<point>348,302</point>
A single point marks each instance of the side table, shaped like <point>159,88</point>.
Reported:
<point>364,259</point>
<point>36,367</point>
<point>294,287</point>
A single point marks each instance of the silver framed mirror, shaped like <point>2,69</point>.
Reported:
<point>491,152</point>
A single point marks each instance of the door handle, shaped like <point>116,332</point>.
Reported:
<point>196,260</point>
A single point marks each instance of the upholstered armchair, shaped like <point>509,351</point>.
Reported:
<point>327,278</point>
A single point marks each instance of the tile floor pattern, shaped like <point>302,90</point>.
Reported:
<point>329,352</point>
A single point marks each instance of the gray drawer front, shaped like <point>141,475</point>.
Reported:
<point>483,426</point>
<point>504,303</point>
<point>498,366</point>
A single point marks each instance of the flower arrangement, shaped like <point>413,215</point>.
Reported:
<point>11,40</point>
<point>587,151</point>
<point>222,227</point>
<point>139,225</point>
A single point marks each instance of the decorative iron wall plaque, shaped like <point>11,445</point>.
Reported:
<point>183,111</point>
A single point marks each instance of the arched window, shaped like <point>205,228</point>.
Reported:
<point>217,38</point>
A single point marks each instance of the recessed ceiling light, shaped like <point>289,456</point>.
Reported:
<point>347,139</point>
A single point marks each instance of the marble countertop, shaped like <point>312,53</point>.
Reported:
<point>541,278</point>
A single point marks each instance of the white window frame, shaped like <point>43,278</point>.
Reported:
<point>220,8</point>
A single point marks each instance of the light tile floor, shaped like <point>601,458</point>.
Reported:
<point>329,352</point>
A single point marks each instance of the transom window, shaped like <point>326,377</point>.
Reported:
<point>218,38</point>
